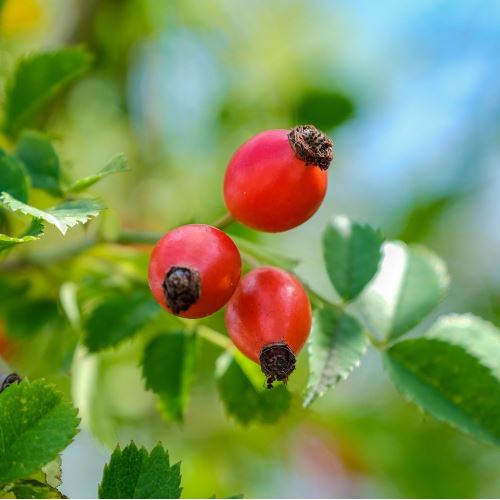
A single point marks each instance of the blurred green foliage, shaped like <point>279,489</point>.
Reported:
<point>177,87</point>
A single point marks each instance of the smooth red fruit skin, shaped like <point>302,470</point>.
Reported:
<point>269,305</point>
<point>268,188</point>
<point>209,251</point>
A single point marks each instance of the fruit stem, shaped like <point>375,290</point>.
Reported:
<point>224,221</point>
<point>215,337</point>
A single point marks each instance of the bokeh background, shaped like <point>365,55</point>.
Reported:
<point>410,93</point>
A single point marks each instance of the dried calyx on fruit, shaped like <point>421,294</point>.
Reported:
<point>277,361</point>
<point>182,288</point>
<point>311,146</point>
<point>6,380</point>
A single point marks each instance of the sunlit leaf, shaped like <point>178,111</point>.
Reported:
<point>168,368</point>
<point>409,285</point>
<point>63,216</point>
<point>336,345</point>
<point>135,473</point>
<point>37,78</point>
<point>35,425</point>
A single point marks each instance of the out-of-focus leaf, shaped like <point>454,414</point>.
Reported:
<point>324,108</point>
<point>63,216</point>
<point>264,254</point>
<point>135,473</point>
<point>352,254</point>
<point>117,164</point>
<point>13,178</point>
<point>336,345</point>
<point>242,389</point>
<point>410,284</point>
<point>34,232</point>
<point>38,78</point>
<point>119,317</point>
<point>26,318</point>
<point>11,290</point>
<point>168,368</point>
<point>449,382</point>
<point>35,425</point>
<point>38,155</point>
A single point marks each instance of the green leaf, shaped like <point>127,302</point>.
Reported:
<point>336,345</point>
<point>448,382</point>
<point>325,108</point>
<point>34,232</point>
<point>241,386</point>
<point>63,216</point>
<point>13,179</point>
<point>135,473</point>
<point>410,284</point>
<point>477,336</point>
<point>117,164</point>
<point>25,318</point>
<point>119,317</point>
<point>352,254</point>
<point>168,368</point>
<point>35,425</point>
<point>38,155</point>
<point>38,78</point>
<point>12,290</point>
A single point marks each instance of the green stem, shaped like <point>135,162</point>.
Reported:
<point>224,221</point>
<point>215,337</point>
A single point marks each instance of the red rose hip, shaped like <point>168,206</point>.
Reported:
<point>278,179</point>
<point>194,270</point>
<point>268,319</point>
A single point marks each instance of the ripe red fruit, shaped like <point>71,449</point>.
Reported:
<point>269,319</point>
<point>277,180</point>
<point>194,270</point>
